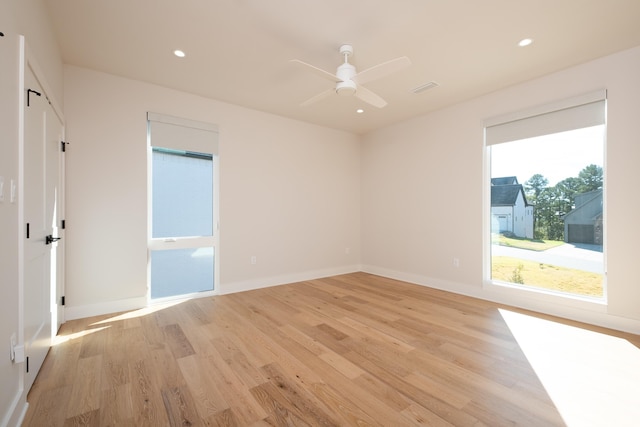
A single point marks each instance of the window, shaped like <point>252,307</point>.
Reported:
<point>182,214</point>
<point>546,189</point>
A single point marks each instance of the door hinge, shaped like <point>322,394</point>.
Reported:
<point>29,92</point>
<point>27,360</point>
<point>63,145</point>
<point>63,224</point>
<point>62,301</point>
<point>27,230</point>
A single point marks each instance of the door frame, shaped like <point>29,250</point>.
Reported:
<point>27,61</point>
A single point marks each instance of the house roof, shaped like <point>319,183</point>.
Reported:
<point>583,202</point>
<point>238,51</point>
<point>505,180</point>
<point>506,195</point>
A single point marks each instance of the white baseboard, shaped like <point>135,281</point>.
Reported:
<point>265,282</point>
<point>108,307</point>
<point>580,311</point>
<point>17,411</point>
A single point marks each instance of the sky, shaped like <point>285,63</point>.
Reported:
<point>556,157</point>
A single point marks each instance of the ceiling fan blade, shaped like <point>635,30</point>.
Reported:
<point>381,70</point>
<point>318,97</point>
<point>317,71</point>
<point>369,97</point>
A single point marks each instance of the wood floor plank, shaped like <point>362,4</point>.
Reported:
<point>352,350</point>
<point>239,360</point>
<point>146,399</point>
<point>208,399</point>
<point>296,398</point>
<point>178,342</point>
<point>279,413</point>
<point>226,418</point>
<point>236,393</point>
<point>153,335</point>
<point>116,406</point>
<point>424,417</point>
<point>85,393</point>
<point>179,406</point>
<point>342,406</point>
<point>91,418</point>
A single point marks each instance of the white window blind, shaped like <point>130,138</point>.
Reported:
<point>574,113</point>
<point>182,134</point>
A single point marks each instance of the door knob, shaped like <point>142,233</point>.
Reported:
<point>50,239</point>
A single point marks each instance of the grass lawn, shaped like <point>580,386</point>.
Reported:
<point>546,276</point>
<point>522,243</point>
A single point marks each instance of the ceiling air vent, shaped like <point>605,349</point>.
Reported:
<point>426,86</point>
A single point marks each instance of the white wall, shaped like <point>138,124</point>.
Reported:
<point>289,192</point>
<point>27,18</point>
<point>9,373</point>
<point>413,169</point>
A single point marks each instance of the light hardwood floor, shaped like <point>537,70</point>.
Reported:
<point>355,349</point>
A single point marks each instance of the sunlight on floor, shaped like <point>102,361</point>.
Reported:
<point>139,313</point>
<point>592,378</point>
<point>59,339</point>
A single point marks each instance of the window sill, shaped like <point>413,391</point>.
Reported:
<point>521,293</point>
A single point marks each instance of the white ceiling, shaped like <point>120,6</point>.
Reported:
<point>238,51</point>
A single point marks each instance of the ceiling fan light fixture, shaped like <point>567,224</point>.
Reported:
<point>346,88</point>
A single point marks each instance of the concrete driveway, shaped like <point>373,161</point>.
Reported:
<point>578,256</point>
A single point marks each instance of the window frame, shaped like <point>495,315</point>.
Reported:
<point>204,140</point>
<point>512,292</point>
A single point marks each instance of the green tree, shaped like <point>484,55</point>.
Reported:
<point>534,186</point>
<point>550,208</point>
<point>567,190</point>
<point>590,178</point>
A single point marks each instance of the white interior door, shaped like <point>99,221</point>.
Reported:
<point>54,202</point>
<point>41,203</point>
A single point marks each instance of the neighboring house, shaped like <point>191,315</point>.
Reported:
<point>510,211</point>
<point>584,223</point>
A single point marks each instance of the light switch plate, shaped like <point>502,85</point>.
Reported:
<point>13,191</point>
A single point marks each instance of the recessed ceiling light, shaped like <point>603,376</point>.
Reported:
<point>525,42</point>
<point>179,53</point>
<point>359,111</point>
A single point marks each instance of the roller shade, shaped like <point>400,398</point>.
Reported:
<point>182,134</point>
<point>575,113</point>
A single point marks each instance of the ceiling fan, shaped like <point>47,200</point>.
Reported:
<point>349,82</point>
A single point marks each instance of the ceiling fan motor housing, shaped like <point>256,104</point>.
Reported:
<point>346,86</point>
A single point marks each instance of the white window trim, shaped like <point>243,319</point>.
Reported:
<point>517,295</point>
<point>204,145</point>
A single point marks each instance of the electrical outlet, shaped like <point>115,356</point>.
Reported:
<point>19,354</point>
<point>254,260</point>
<point>456,262</point>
